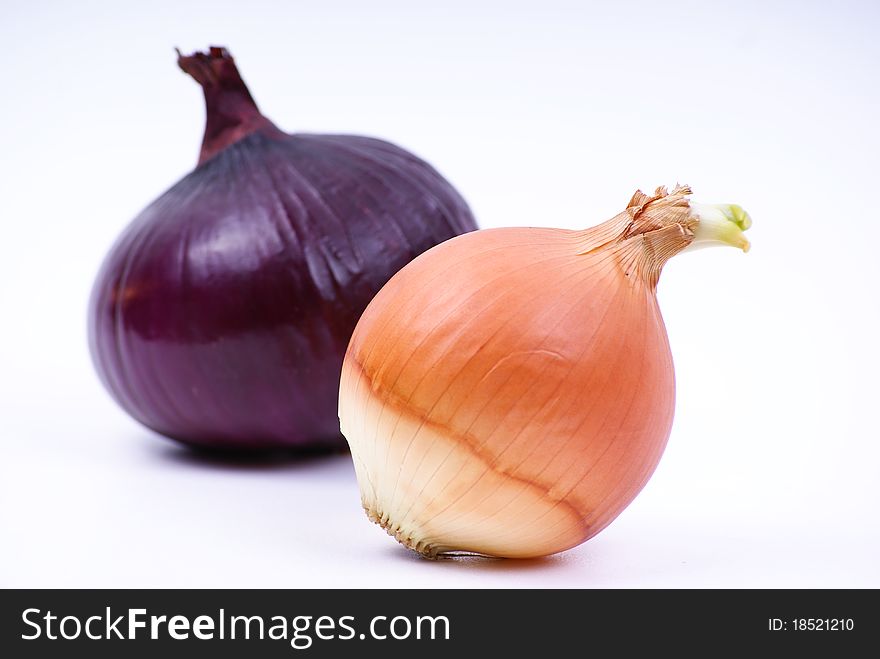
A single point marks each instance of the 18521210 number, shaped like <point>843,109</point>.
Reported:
<point>822,624</point>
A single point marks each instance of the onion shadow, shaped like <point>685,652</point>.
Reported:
<point>178,453</point>
<point>471,562</point>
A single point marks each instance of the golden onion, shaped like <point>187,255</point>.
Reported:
<point>510,391</point>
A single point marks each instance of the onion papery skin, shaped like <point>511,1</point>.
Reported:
<point>509,392</point>
<point>221,315</point>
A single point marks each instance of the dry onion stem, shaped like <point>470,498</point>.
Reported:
<point>510,391</point>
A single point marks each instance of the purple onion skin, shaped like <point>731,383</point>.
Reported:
<point>221,316</point>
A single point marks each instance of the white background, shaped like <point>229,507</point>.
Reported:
<point>544,113</point>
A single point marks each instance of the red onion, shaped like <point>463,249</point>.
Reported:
<point>221,316</point>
